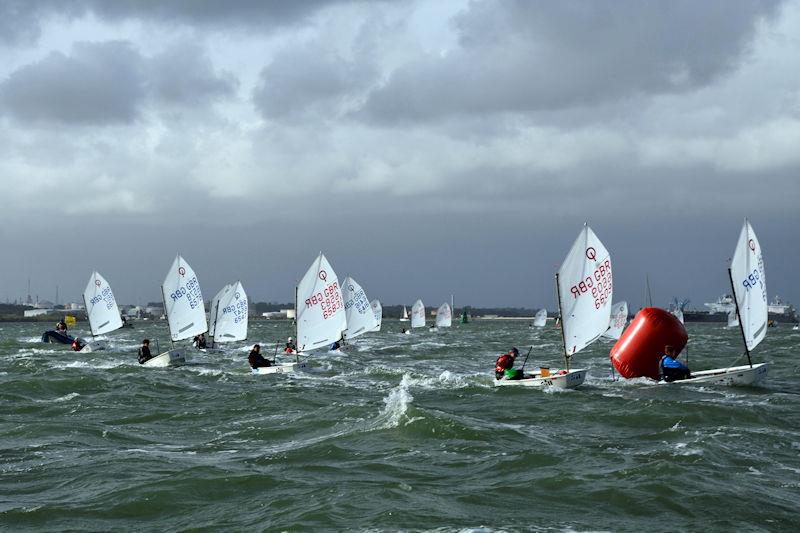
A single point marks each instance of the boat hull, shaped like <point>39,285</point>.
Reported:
<point>175,357</point>
<point>54,337</point>
<point>281,368</point>
<point>735,375</point>
<point>95,346</point>
<point>570,380</point>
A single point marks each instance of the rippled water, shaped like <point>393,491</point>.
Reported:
<point>403,433</point>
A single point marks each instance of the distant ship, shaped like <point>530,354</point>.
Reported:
<point>779,311</point>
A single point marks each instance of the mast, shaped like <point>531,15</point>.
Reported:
<point>88,315</point>
<point>296,318</point>
<point>164,301</point>
<point>560,313</point>
<point>741,324</point>
<point>216,317</point>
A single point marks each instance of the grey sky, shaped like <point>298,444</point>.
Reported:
<point>428,148</point>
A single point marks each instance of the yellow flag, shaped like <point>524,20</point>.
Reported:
<point>70,320</point>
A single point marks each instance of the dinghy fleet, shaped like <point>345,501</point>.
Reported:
<point>329,314</point>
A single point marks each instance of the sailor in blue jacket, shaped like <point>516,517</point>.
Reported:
<point>671,368</point>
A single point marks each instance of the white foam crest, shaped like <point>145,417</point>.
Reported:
<point>65,398</point>
<point>396,404</point>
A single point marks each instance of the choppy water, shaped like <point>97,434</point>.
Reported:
<point>403,433</point>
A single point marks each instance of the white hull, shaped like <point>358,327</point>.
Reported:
<point>570,380</point>
<point>281,368</point>
<point>403,320</point>
<point>210,350</point>
<point>735,375</point>
<point>174,357</point>
<point>95,346</point>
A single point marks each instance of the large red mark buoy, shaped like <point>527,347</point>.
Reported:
<point>638,352</point>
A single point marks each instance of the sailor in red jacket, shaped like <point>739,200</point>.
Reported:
<point>505,362</point>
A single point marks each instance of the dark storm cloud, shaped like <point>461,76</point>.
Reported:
<point>307,79</point>
<point>184,74</point>
<point>108,83</point>
<point>99,83</point>
<point>526,56</point>
<point>20,20</point>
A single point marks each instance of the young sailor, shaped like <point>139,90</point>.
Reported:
<point>77,344</point>
<point>200,341</point>
<point>255,358</point>
<point>144,352</point>
<point>290,346</point>
<point>671,368</point>
<point>504,366</point>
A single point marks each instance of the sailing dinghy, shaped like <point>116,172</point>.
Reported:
<point>584,288</point>
<point>749,284</point>
<point>358,311</point>
<point>377,311</point>
<point>230,315</point>
<point>444,316</point>
<point>320,313</point>
<point>540,319</point>
<point>619,318</point>
<point>101,310</point>
<point>404,316</point>
<point>185,310</point>
<point>418,315</point>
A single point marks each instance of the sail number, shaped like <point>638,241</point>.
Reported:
<point>191,291</point>
<point>239,311</point>
<point>106,295</point>
<point>752,280</point>
<point>599,284</point>
<point>360,301</point>
<point>330,300</point>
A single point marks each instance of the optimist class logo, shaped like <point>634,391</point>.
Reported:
<point>97,282</point>
<point>181,271</point>
<point>323,275</point>
<point>591,253</point>
<point>237,295</point>
<point>752,244</point>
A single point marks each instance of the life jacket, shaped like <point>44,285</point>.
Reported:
<point>503,362</point>
<point>76,346</point>
<point>289,348</point>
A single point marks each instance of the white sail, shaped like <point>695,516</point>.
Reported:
<point>750,286</point>
<point>678,313</point>
<point>444,316</point>
<point>183,301</point>
<point>101,307</point>
<point>585,290</point>
<point>418,314</point>
<point>541,318</point>
<point>619,317</point>
<point>358,311</point>
<point>320,309</point>
<point>213,312</point>
<point>377,311</point>
<point>232,315</point>
<point>733,320</point>
<point>405,313</point>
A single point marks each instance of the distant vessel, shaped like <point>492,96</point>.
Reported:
<point>779,311</point>
<point>404,318</point>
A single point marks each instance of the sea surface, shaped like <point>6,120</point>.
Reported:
<point>404,432</point>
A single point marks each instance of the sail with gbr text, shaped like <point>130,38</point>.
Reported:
<point>320,307</point>
<point>101,307</point>
<point>183,301</point>
<point>750,286</point>
<point>358,311</point>
<point>585,290</point>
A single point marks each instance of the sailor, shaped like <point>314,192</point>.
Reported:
<point>200,341</point>
<point>61,327</point>
<point>671,368</point>
<point>255,358</point>
<point>77,344</point>
<point>335,346</point>
<point>144,352</point>
<point>290,346</point>
<point>504,366</point>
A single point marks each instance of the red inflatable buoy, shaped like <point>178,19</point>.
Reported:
<point>638,352</point>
